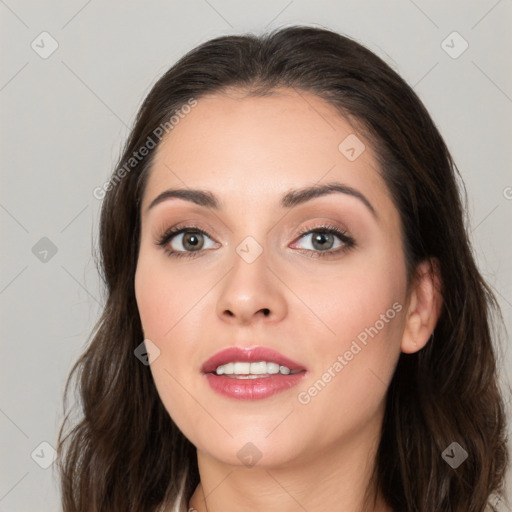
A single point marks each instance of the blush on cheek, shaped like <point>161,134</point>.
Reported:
<point>156,304</point>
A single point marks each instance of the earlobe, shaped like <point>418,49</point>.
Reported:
<point>424,307</point>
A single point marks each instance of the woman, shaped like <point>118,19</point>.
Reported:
<point>294,319</point>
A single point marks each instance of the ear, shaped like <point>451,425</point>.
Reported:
<point>424,306</point>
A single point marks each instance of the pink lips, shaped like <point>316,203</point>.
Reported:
<point>251,389</point>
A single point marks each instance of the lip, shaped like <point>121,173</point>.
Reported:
<point>251,389</point>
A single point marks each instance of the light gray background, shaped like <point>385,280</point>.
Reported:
<point>65,117</point>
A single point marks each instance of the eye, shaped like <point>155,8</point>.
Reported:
<point>326,240</point>
<point>191,241</point>
<point>185,241</point>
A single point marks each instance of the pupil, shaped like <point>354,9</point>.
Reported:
<point>322,240</point>
<point>192,240</point>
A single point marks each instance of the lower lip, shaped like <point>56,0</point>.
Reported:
<point>253,389</point>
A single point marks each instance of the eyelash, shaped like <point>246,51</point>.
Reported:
<point>348,241</point>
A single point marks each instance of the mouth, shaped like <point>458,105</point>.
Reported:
<point>251,373</point>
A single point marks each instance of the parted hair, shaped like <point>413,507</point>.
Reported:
<point>125,454</point>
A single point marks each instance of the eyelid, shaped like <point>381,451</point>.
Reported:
<point>345,238</point>
<point>174,231</point>
<point>186,225</point>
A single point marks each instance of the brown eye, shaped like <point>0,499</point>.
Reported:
<point>192,241</point>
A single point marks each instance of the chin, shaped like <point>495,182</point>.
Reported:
<point>252,446</point>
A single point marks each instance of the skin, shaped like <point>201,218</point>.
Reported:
<point>249,152</point>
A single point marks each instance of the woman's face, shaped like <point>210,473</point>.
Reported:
<point>272,275</point>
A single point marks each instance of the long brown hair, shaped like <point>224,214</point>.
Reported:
<point>126,454</point>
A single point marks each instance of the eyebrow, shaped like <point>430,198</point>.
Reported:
<point>289,200</point>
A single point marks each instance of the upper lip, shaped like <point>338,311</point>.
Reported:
<point>251,355</point>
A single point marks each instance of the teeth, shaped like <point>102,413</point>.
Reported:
<point>252,370</point>
<point>241,368</point>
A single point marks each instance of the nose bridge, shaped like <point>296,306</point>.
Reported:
<point>250,289</point>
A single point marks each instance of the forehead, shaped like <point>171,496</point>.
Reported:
<point>244,148</point>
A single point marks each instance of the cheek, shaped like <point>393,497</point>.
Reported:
<point>166,307</point>
<point>173,306</point>
<point>359,345</point>
<point>352,299</point>
<point>163,297</point>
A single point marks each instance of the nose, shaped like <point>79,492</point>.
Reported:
<point>251,292</point>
